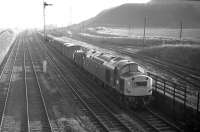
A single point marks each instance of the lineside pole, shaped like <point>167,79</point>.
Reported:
<point>44,63</point>
<point>144,34</point>
<point>181,31</point>
<point>44,20</point>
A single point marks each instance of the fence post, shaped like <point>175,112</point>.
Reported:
<point>174,94</point>
<point>156,83</point>
<point>164,86</point>
<point>198,97</point>
<point>184,106</point>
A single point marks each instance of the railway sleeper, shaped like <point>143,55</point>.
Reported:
<point>161,126</point>
<point>166,129</point>
<point>154,121</point>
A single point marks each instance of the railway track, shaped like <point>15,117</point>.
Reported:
<point>19,73</point>
<point>38,116</point>
<point>63,98</point>
<point>188,71</point>
<point>5,81</point>
<point>153,121</point>
<point>102,116</point>
<point>162,124</point>
<point>51,99</point>
<point>186,75</point>
<point>185,88</point>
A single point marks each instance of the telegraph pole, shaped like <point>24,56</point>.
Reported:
<point>144,34</point>
<point>44,63</point>
<point>44,19</point>
<point>181,30</point>
<point>44,6</point>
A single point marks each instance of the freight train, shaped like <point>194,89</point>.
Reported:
<point>124,78</point>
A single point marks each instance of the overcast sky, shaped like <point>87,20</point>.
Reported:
<point>28,13</point>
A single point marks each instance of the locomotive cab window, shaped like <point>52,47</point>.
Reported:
<point>140,84</point>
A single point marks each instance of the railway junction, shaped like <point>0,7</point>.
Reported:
<point>41,90</point>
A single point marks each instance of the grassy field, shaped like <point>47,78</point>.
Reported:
<point>153,33</point>
<point>185,55</point>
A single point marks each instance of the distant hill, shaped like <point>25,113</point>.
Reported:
<point>159,15</point>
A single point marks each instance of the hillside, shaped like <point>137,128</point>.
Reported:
<point>165,15</point>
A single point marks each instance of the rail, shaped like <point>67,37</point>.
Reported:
<point>6,69</point>
<point>177,92</point>
<point>26,91</point>
<point>102,114</point>
<point>47,122</point>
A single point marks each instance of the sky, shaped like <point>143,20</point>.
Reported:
<point>29,13</point>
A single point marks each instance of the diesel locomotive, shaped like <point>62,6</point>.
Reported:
<point>124,78</point>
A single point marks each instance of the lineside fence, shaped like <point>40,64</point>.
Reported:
<point>178,93</point>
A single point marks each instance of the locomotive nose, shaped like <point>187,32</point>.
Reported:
<point>140,81</point>
<point>142,85</point>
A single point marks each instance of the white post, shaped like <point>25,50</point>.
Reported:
<point>44,66</point>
